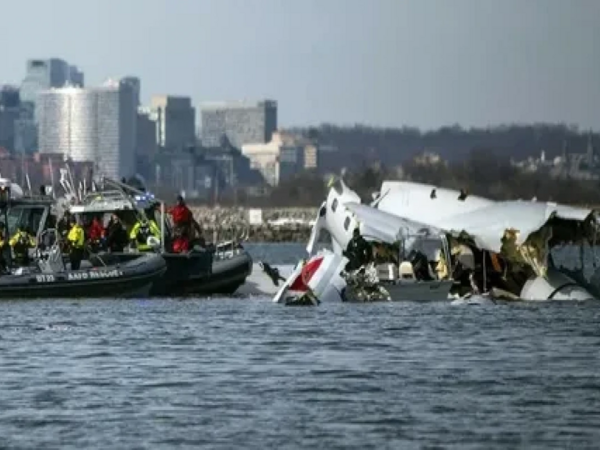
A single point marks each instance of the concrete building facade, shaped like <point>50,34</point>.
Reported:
<point>96,125</point>
<point>240,122</point>
<point>284,156</point>
<point>175,119</point>
<point>9,114</point>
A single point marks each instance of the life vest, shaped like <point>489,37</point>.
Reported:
<point>181,214</point>
<point>181,245</point>
<point>96,231</point>
<point>76,237</point>
<point>143,233</point>
<point>22,243</point>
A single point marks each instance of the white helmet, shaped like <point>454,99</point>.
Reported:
<point>153,242</point>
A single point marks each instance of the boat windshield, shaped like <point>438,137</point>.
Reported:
<point>25,216</point>
<point>428,246</point>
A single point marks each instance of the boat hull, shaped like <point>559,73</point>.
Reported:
<point>197,273</point>
<point>130,279</point>
<point>225,277</point>
<point>420,290</point>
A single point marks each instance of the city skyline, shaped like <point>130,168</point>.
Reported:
<point>384,63</point>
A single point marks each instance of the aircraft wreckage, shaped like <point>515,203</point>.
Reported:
<point>432,243</point>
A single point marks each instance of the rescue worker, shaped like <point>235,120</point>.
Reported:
<point>181,243</point>
<point>4,249</point>
<point>95,234</point>
<point>358,251</point>
<point>64,225</point>
<point>440,266</point>
<point>76,240</point>
<point>421,267</point>
<point>141,231</point>
<point>184,219</point>
<point>116,235</point>
<point>20,243</point>
<point>181,214</point>
<point>463,261</point>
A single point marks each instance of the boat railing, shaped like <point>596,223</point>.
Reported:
<point>227,249</point>
<point>230,247</point>
<point>34,198</point>
<point>109,196</point>
<point>50,259</point>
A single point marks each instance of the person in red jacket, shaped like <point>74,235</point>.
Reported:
<point>183,220</point>
<point>181,243</point>
<point>181,214</point>
<point>95,233</point>
<point>96,229</point>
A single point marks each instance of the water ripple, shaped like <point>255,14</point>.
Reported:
<point>243,373</point>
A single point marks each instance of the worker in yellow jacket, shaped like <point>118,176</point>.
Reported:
<point>20,243</point>
<point>141,231</point>
<point>76,240</point>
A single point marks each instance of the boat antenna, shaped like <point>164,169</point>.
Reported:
<point>28,182</point>
<point>51,176</point>
<point>71,182</point>
<point>7,192</point>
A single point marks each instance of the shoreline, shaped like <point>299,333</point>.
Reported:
<point>275,224</point>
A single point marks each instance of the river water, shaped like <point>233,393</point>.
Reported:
<point>244,373</point>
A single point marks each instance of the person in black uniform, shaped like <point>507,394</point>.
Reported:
<point>358,251</point>
<point>64,225</point>
<point>5,255</point>
<point>116,235</point>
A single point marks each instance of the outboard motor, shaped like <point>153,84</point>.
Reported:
<point>555,286</point>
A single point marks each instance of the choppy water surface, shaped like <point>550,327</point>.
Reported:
<point>243,373</point>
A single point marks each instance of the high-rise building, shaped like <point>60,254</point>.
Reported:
<point>146,133</point>
<point>95,124</point>
<point>146,147</point>
<point>45,74</point>
<point>8,117</point>
<point>41,74</point>
<point>26,132</point>
<point>136,84</point>
<point>240,122</point>
<point>175,121</point>
<point>9,96</point>
<point>9,114</point>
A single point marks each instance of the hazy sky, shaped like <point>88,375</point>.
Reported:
<point>382,62</point>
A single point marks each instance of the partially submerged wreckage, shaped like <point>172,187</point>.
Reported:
<point>432,243</point>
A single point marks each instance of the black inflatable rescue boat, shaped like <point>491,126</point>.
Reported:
<point>133,278</point>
